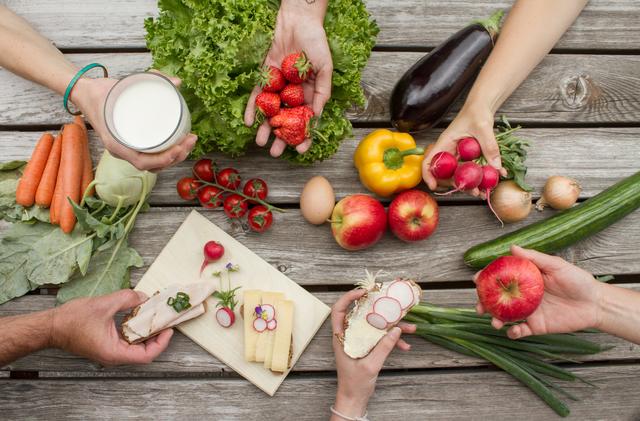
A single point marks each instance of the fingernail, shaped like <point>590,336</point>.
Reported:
<point>496,163</point>
<point>395,333</point>
<point>141,295</point>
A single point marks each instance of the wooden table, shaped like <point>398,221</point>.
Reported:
<point>583,98</point>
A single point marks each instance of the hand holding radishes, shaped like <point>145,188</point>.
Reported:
<point>570,301</point>
<point>299,29</point>
<point>357,377</point>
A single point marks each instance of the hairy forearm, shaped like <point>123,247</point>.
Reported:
<point>22,335</point>
<point>619,312</point>
<point>25,52</point>
<point>529,32</point>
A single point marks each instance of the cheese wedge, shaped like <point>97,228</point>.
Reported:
<point>263,337</point>
<point>282,341</point>
<point>251,299</point>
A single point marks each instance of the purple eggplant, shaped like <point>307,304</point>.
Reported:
<point>424,94</point>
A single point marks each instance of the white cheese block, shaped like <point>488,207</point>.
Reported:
<point>282,340</point>
<point>250,301</point>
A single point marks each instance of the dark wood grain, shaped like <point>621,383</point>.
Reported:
<point>584,154</point>
<point>564,88</point>
<point>604,24</point>
<point>184,357</point>
<point>462,395</point>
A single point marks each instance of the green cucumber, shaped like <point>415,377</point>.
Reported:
<point>566,227</point>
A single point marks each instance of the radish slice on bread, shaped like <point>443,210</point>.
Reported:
<point>377,321</point>
<point>379,310</point>
<point>403,292</point>
<point>269,311</point>
<point>272,324</point>
<point>389,308</point>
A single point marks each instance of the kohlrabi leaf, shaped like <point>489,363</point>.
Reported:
<point>55,256</point>
<point>108,272</point>
<point>15,247</point>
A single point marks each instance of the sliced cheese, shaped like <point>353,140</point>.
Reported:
<point>268,356</point>
<point>251,299</point>
<point>282,340</point>
<point>263,338</point>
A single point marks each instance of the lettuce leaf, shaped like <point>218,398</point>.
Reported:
<point>217,47</point>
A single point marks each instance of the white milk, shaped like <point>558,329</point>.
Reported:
<point>146,113</point>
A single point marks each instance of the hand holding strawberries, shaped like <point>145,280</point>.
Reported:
<point>297,71</point>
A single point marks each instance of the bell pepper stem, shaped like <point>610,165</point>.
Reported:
<point>414,151</point>
<point>393,157</point>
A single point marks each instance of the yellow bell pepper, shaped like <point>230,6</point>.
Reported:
<point>388,162</point>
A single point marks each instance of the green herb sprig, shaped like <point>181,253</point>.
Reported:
<point>180,302</point>
<point>227,297</point>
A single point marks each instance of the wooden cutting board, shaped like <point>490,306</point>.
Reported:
<point>179,262</point>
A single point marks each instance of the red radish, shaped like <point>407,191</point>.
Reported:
<point>389,308</point>
<point>269,310</point>
<point>490,179</point>
<point>443,165</point>
<point>510,288</point>
<point>468,176</point>
<point>469,149</point>
<point>377,321</point>
<point>213,251</point>
<point>401,291</point>
<point>260,325</point>
<point>272,324</point>
<point>225,317</point>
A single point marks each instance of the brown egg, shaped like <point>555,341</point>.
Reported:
<point>317,200</point>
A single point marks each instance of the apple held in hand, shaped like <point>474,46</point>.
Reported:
<point>358,222</point>
<point>510,288</point>
<point>413,215</point>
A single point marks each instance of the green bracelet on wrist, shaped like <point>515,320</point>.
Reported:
<point>74,80</point>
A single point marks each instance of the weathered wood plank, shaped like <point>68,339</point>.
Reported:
<point>604,24</point>
<point>310,256</point>
<point>408,396</point>
<point>183,357</point>
<point>584,154</point>
<point>607,91</point>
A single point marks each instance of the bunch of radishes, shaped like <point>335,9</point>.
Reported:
<point>467,174</point>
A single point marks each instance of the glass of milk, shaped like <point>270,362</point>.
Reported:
<point>145,112</point>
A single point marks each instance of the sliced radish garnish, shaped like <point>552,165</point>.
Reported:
<point>260,325</point>
<point>377,321</point>
<point>225,317</point>
<point>272,324</point>
<point>269,310</point>
<point>389,308</point>
<point>402,291</point>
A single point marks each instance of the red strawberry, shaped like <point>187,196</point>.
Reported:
<point>271,79</point>
<point>292,95</point>
<point>290,127</point>
<point>296,68</point>
<point>268,103</point>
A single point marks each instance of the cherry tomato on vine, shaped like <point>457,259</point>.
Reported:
<point>235,206</point>
<point>210,197</point>
<point>229,178</point>
<point>204,169</point>
<point>260,218</point>
<point>256,187</point>
<point>187,188</point>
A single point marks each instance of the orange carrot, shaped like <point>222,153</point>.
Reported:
<point>54,209</point>
<point>44,194</point>
<point>28,184</point>
<point>87,165</point>
<point>72,151</point>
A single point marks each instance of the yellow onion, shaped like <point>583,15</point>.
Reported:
<point>559,192</point>
<point>510,202</point>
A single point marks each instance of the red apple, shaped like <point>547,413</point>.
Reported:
<point>413,215</point>
<point>358,222</point>
<point>510,288</point>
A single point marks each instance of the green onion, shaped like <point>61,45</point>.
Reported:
<point>465,332</point>
<point>180,302</point>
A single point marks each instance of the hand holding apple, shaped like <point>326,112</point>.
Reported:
<point>570,301</point>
